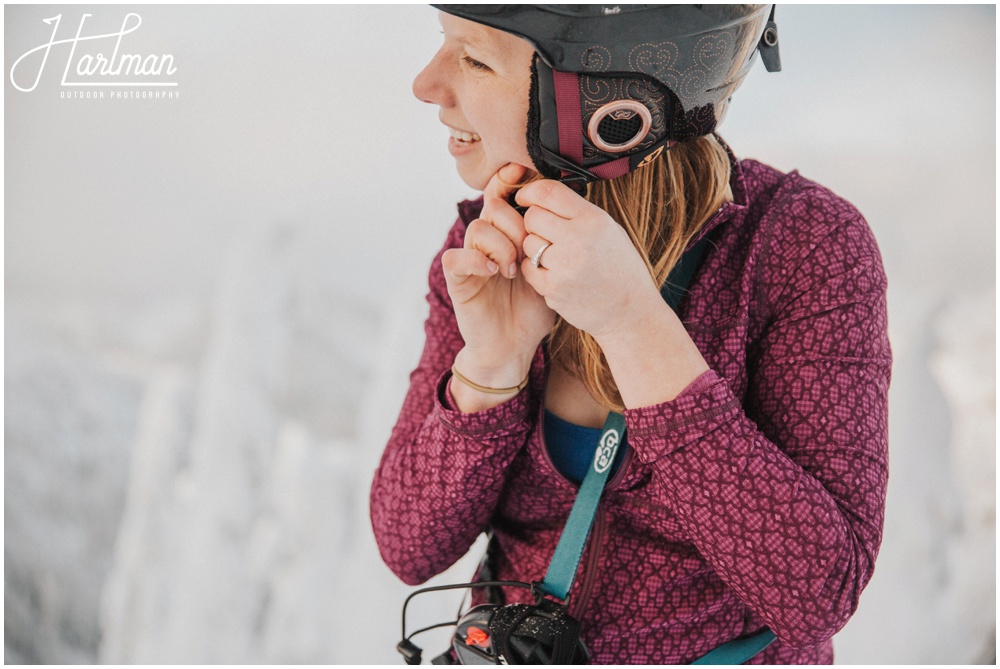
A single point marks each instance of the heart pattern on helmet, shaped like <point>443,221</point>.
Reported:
<point>652,59</point>
<point>714,51</point>
<point>595,59</point>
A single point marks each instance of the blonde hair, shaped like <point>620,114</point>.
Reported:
<point>662,206</point>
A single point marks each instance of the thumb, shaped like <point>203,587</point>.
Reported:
<point>507,180</point>
<point>512,174</point>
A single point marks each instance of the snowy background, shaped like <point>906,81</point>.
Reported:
<point>213,304</point>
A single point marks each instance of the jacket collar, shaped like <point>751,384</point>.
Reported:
<point>729,211</point>
<point>468,210</point>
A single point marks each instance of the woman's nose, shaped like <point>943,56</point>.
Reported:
<point>431,85</point>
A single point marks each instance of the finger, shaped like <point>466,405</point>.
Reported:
<point>505,219</point>
<point>537,278</point>
<point>532,245</point>
<point>552,195</point>
<point>507,180</point>
<point>542,222</point>
<point>483,237</point>
<point>463,263</point>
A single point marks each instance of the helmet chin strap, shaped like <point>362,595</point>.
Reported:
<point>572,175</point>
<point>577,177</point>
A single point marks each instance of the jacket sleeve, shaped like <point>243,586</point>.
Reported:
<point>784,492</point>
<point>442,471</point>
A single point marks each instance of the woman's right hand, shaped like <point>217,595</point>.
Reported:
<point>502,319</point>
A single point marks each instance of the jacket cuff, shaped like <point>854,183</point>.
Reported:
<point>658,430</point>
<point>499,422</point>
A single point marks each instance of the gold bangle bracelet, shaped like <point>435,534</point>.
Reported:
<point>492,391</point>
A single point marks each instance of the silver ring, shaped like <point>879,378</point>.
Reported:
<point>536,259</point>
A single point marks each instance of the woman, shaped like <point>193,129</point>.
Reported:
<point>751,491</point>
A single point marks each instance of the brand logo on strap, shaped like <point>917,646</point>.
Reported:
<point>606,450</point>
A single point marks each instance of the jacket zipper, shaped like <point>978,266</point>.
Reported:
<point>620,474</point>
<point>596,541</point>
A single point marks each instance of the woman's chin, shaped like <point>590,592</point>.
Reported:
<point>473,173</point>
<point>473,183</point>
<point>476,175</point>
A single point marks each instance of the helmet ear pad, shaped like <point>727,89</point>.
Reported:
<point>542,112</point>
<point>621,116</point>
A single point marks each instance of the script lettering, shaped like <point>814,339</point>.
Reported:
<point>88,65</point>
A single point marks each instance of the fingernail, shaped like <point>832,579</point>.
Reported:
<point>512,272</point>
<point>492,266</point>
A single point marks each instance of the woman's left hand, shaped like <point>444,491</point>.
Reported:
<point>591,274</point>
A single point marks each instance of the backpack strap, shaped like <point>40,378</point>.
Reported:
<point>673,291</point>
<point>675,287</point>
<point>738,651</point>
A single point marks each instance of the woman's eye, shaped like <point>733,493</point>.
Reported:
<point>475,64</point>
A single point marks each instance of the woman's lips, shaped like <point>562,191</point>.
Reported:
<point>462,142</point>
<point>459,148</point>
<point>463,135</point>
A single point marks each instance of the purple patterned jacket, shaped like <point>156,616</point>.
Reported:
<point>754,498</point>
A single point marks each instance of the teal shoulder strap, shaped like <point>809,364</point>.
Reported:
<point>675,287</point>
<point>566,559</point>
<point>738,651</point>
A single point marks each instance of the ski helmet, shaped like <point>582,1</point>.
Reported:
<point>613,86</point>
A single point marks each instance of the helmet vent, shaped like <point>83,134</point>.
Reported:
<point>619,126</point>
<point>615,131</point>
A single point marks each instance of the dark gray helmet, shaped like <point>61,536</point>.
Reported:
<point>613,85</point>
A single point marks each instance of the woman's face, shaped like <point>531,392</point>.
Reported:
<point>480,78</point>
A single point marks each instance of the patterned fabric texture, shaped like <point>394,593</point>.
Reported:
<point>754,498</point>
